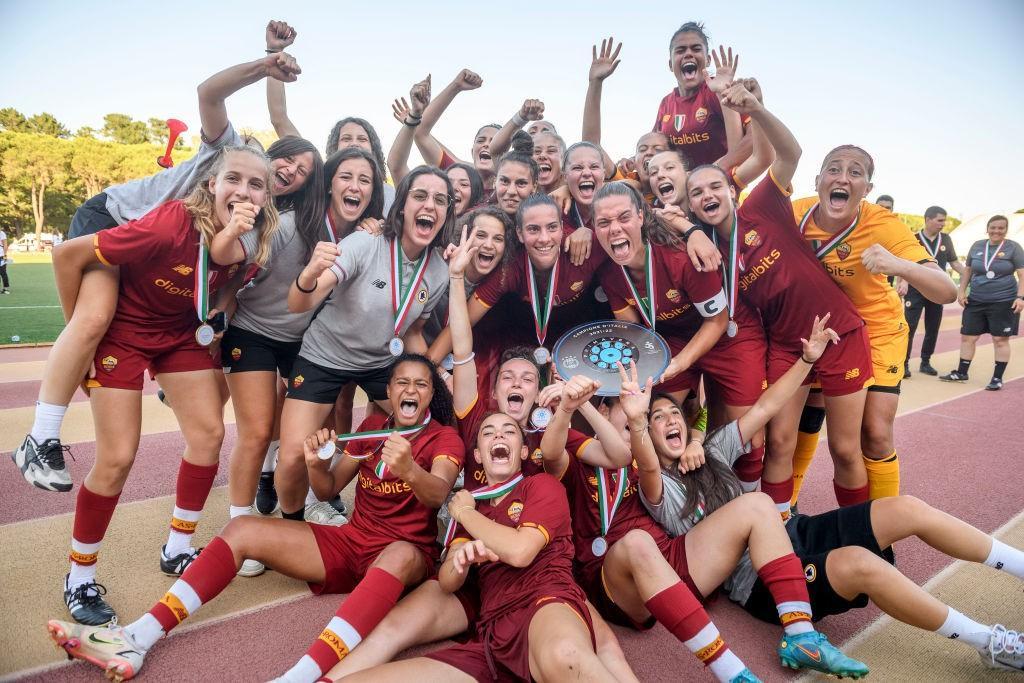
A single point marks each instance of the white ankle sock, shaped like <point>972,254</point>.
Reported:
<point>270,460</point>
<point>727,666</point>
<point>48,420</point>
<point>963,628</point>
<point>145,631</point>
<point>81,573</point>
<point>748,486</point>
<point>239,510</point>
<point>1007,558</point>
<point>311,497</point>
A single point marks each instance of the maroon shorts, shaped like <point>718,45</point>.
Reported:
<point>844,368</point>
<point>591,579</point>
<point>501,651</point>
<point>347,553</point>
<point>736,365</point>
<point>124,355</point>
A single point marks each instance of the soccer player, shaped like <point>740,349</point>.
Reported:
<point>939,246</point>
<point>534,622</point>
<point>885,201</point>
<point>845,554</point>
<point>859,244</point>
<point>995,301</point>
<point>166,281</point>
<point>548,149</point>
<point>405,465</point>
<point>379,294</point>
<point>516,175</point>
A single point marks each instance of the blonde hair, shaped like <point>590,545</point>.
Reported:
<point>199,203</point>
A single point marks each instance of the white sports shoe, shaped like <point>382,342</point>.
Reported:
<point>1005,650</point>
<point>251,568</point>
<point>109,648</point>
<point>322,512</point>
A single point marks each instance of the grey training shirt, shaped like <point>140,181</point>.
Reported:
<point>352,331</point>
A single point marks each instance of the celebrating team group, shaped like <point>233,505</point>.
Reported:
<point>498,502</point>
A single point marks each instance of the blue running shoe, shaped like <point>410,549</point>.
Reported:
<point>745,676</point>
<point>813,651</point>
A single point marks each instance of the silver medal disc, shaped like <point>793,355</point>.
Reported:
<point>600,295</point>
<point>595,349</point>
<point>448,362</point>
<point>732,328</point>
<point>990,274</point>
<point>205,334</point>
<point>327,451</point>
<point>540,417</point>
<point>599,546</point>
<point>396,346</point>
<point>541,355</point>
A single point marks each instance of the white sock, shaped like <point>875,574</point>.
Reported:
<point>180,541</point>
<point>81,573</point>
<point>795,627</point>
<point>145,631</point>
<point>1007,558</point>
<point>270,460</point>
<point>311,497</point>
<point>748,486</point>
<point>727,667</point>
<point>304,671</point>
<point>239,510</point>
<point>48,420</point>
<point>963,628</point>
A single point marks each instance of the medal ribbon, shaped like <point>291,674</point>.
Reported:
<point>486,493</point>
<point>648,312</point>
<point>401,298</point>
<point>989,261</point>
<point>329,224</point>
<point>933,250</point>
<point>823,249</point>
<point>381,468</point>
<point>606,507</point>
<point>731,272</point>
<point>201,294</point>
<point>541,309</point>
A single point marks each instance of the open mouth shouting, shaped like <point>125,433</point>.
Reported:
<point>408,408</point>
<point>620,249</point>
<point>689,69</point>
<point>282,180</point>
<point>500,453</point>
<point>666,192</point>
<point>674,438</point>
<point>485,156</point>
<point>516,404</point>
<point>586,189</point>
<point>711,210</point>
<point>485,260</point>
<point>838,199</point>
<point>425,223</point>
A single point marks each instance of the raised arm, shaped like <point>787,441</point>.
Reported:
<point>464,387</point>
<point>635,401</point>
<point>429,147</point>
<point>762,154</point>
<point>787,149</point>
<point>316,280</point>
<point>226,248</point>
<point>575,393</point>
<point>213,113</point>
<point>409,116</point>
<point>532,110</point>
<point>279,36</point>
<point>602,65</point>
<point>326,481</point>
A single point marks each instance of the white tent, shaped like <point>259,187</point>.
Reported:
<point>973,229</point>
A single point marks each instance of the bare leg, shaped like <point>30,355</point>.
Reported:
<point>560,647</point>
<point>299,419</point>
<point>845,416</point>
<point>254,419</point>
<point>117,416</point>
<point>1002,348</point>
<point>195,400</point>
<point>608,649</point>
<point>420,669</point>
<point>782,430</point>
<point>877,431</point>
<point>900,517</point>
<point>967,346</point>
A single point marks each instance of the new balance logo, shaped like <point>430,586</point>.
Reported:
<point>999,565</point>
<point>954,636</point>
<point>379,284</point>
<point>183,269</point>
<point>853,374</point>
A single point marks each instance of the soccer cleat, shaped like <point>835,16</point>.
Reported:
<point>745,676</point>
<point>338,504</point>
<point>995,385</point>
<point>321,512</point>
<point>176,566</point>
<point>927,369</point>
<point>111,649</point>
<point>812,650</point>
<point>954,376</point>
<point>906,371</point>
<point>266,494</point>
<point>86,604</point>
<point>1005,649</point>
<point>251,568</point>
<point>43,464</point>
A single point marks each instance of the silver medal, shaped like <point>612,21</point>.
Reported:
<point>448,362</point>
<point>396,346</point>
<point>599,546</point>
<point>205,334</point>
<point>732,328</point>
<point>327,451</point>
<point>990,274</point>
<point>541,355</point>
<point>540,417</point>
<point>600,295</point>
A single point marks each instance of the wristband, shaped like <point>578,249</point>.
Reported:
<point>413,123</point>
<point>689,231</point>
<point>518,120</point>
<point>300,287</point>
<point>465,360</point>
<point>809,362</point>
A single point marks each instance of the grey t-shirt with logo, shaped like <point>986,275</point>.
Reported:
<point>353,329</point>
<point>1005,260</point>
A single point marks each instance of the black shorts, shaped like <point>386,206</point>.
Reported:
<point>996,318</point>
<point>91,217</point>
<point>245,351</point>
<point>814,537</point>
<point>317,384</point>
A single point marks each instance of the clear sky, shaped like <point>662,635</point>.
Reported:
<point>931,89</point>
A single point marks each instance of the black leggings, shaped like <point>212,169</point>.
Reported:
<point>932,321</point>
<point>3,273</point>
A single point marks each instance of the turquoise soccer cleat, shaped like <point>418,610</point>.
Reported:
<point>813,651</point>
<point>745,676</point>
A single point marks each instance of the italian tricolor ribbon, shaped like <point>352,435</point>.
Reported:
<point>380,469</point>
<point>202,282</point>
<point>731,272</point>
<point>485,493</point>
<point>648,311</point>
<point>329,224</point>
<point>823,249</point>
<point>989,260</point>
<point>402,296</point>
<point>541,308</point>
<point>929,246</point>
<point>609,495</point>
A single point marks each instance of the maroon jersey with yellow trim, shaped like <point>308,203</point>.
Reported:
<point>780,275</point>
<point>693,125</point>
<point>574,301</point>
<point>388,507</point>
<point>157,255</point>
<point>538,502</point>
<point>469,426</point>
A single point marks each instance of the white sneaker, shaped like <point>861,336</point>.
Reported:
<point>1005,650</point>
<point>322,512</point>
<point>111,649</point>
<point>251,568</point>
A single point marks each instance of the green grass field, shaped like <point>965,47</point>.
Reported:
<point>31,311</point>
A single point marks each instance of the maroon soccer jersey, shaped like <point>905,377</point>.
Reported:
<point>387,507</point>
<point>469,426</point>
<point>538,502</point>
<point>574,301</point>
<point>157,255</point>
<point>780,276</point>
<point>580,481</point>
<point>693,125</point>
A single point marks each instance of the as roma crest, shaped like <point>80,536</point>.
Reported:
<point>515,510</point>
<point>843,250</point>
<point>109,363</point>
<point>752,239</point>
